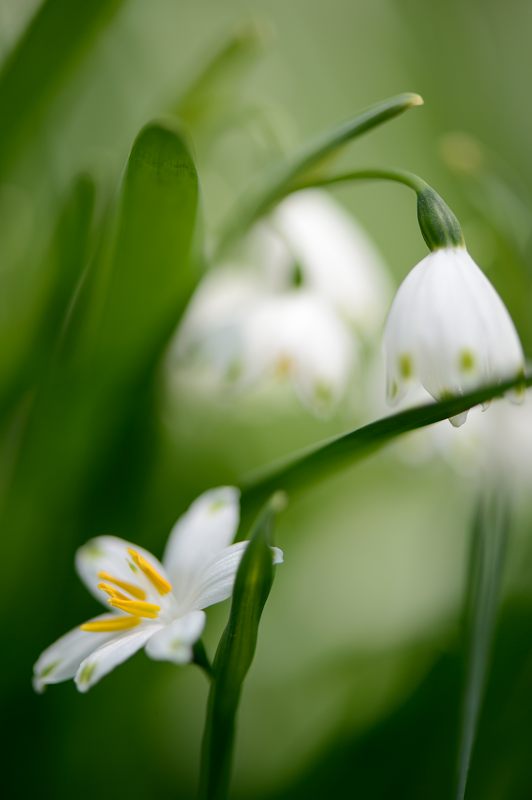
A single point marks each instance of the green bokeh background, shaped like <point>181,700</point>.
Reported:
<point>355,690</point>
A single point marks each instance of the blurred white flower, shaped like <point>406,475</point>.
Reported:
<point>159,606</point>
<point>299,337</point>
<point>335,255</point>
<point>313,284</point>
<point>449,330</point>
<point>495,444</point>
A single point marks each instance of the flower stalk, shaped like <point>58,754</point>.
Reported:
<point>306,162</point>
<point>235,653</point>
<point>438,224</point>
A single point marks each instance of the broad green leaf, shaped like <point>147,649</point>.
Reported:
<point>55,40</point>
<point>486,561</point>
<point>279,183</point>
<point>235,654</point>
<point>146,282</point>
<point>72,439</point>
<point>323,460</point>
<point>32,320</point>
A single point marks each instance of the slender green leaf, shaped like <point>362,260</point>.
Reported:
<point>486,561</point>
<point>323,460</point>
<point>235,654</point>
<point>279,183</point>
<point>32,320</point>
<point>55,40</point>
<point>213,88</point>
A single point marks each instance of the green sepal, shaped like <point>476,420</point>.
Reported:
<point>438,225</point>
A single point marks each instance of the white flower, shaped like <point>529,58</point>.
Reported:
<point>159,606</point>
<point>337,258</point>
<point>313,281</point>
<point>449,330</point>
<point>297,337</point>
<point>494,445</point>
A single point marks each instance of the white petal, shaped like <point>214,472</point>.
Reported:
<point>217,582</point>
<point>299,336</point>
<point>105,658</point>
<point>61,660</point>
<point>110,554</point>
<point>174,641</point>
<point>211,331</point>
<point>204,531</point>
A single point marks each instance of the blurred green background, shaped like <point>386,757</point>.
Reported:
<point>355,690</point>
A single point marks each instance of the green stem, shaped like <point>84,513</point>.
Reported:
<point>438,224</point>
<point>409,179</point>
<point>235,654</point>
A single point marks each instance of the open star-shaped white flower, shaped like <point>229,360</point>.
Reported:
<point>152,604</point>
<point>449,330</point>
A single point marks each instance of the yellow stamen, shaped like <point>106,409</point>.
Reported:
<point>130,588</point>
<point>113,593</point>
<point>137,608</point>
<point>112,624</point>
<point>160,583</point>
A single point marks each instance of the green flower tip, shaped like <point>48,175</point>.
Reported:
<point>279,501</point>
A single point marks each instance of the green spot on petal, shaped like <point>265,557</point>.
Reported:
<point>446,394</point>
<point>406,368</point>
<point>93,551</point>
<point>467,361</point>
<point>86,673</point>
<point>323,393</point>
<point>217,505</point>
<point>47,671</point>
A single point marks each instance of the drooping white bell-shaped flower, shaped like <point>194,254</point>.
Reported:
<point>449,330</point>
<point>150,604</point>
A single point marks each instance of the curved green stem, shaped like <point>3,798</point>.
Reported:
<point>439,226</point>
<point>279,181</point>
<point>409,179</point>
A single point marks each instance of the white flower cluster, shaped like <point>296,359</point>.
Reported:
<point>315,285</point>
